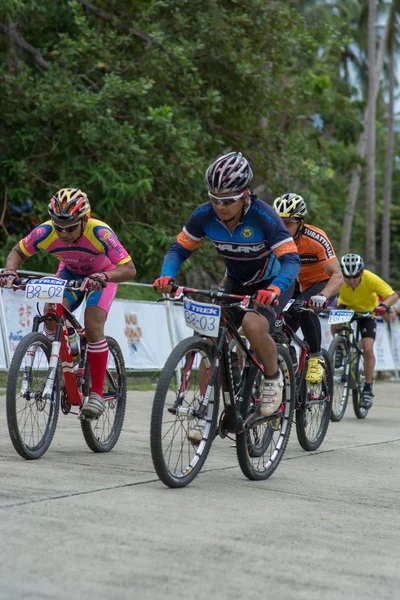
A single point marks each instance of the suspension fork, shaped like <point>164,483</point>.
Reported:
<point>54,356</point>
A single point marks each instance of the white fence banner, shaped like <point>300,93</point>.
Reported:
<point>3,362</point>
<point>382,349</point>
<point>19,314</point>
<point>141,329</point>
<point>395,343</point>
<point>181,330</point>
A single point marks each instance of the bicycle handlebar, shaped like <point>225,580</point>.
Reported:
<point>243,303</point>
<point>72,285</point>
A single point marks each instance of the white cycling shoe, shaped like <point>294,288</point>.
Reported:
<point>271,398</point>
<point>195,434</point>
<point>94,407</point>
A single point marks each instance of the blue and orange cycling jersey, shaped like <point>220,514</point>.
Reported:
<point>98,249</point>
<point>259,248</point>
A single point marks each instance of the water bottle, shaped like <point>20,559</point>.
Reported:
<point>73,340</point>
<point>293,356</point>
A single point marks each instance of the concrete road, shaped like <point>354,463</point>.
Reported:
<point>326,525</point>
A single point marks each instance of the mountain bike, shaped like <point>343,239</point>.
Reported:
<point>347,360</point>
<point>313,400</point>
<point>42,377</point>
<point>188,394</point>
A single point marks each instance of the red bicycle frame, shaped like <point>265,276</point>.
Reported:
<point>70,374</point>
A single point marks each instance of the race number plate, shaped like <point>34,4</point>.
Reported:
<point>203,318</point>
<point>47,289</point>
<point>340,316</point>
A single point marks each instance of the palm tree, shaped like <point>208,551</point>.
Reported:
<point>361,149</point>
<point>392,42</point>
<point>370,239</point>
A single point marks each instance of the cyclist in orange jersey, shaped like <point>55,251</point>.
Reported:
<point>320,277</point>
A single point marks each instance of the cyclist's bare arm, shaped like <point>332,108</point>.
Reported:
<point>390,300</point>
<point>335,280</point>
<point>15,259</point>
<point>124,272</point>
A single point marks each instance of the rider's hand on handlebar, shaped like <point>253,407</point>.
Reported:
<point>7,278</point>
<point>267,297</point>
<point>94,282</point>
<point>319,301</point>
<point>163,284</point>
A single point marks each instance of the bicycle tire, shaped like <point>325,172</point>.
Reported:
<point>170,477</point>
<point>25,450</point>
<point>303,418</point>
<point>341,387</point>
<point>94,430</point>
<point>251,462</point>
<point>359,410</point>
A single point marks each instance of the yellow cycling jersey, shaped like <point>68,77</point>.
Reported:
<point>366,295</point>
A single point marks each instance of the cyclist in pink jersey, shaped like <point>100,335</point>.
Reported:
<point>88,249</point>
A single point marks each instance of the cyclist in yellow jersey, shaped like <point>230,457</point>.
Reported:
<point>362,291</point>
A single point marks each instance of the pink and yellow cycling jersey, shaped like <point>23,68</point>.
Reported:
<point>98,249</point>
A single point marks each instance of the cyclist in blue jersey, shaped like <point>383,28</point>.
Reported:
<point>260,255</point>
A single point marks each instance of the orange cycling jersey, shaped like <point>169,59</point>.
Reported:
<point>315,252</point>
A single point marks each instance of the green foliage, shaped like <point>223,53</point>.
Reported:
<point>133,110</point>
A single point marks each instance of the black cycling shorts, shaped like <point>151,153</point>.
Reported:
<point>232,286</point>
<point>367,327</point>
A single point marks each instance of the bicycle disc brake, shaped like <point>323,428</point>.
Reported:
<point>65,406</point>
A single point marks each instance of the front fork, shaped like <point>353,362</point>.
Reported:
<point>211,379</point>
<point>54,356</point>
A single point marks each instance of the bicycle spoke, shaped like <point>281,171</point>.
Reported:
<point>31,418</point>
<point>179,440</point>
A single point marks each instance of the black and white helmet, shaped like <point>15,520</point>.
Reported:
<point>352,265</point>
<point>229,173</point>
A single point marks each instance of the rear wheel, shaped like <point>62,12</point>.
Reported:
<point>31,419</point>
<point>261,446</point>
<point>312,418</point>
<point>359,377</point>
<point>340,361</point>
<point>103,433</point>
<point>177,457</point>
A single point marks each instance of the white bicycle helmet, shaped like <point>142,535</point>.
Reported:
<point>352,265</point>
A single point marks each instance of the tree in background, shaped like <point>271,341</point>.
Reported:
<point>132,100</point>
<point>392,48</point>
<point>370,252</point>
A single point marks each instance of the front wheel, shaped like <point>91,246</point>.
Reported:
<point>312,418</point>
<point>180,441</point>
<point>31,419</point>
<point>359,377</point>
<point>103,433</point>
<point>340,361</point>
<point>261,446</point>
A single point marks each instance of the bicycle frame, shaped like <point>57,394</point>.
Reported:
<point>234,420</point>
<point>61,349</point>
<point>304,351</point>
<point>353,338</point>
